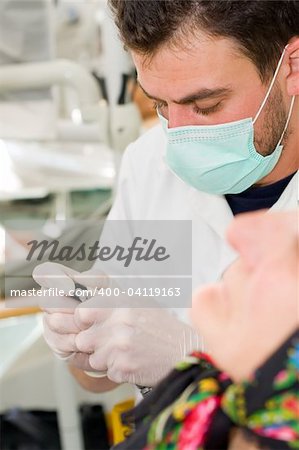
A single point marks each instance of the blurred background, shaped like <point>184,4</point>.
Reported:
<point>69,106</point>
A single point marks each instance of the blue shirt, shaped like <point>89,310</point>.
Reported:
<point>256,197</point>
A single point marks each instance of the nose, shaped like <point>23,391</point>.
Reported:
<point>179,116</point>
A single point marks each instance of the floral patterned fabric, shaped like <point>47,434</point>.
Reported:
<point>209,405</point>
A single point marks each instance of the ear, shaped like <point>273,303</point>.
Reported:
<point>292,53</point>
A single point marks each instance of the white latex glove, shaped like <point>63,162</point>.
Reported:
<point>60,328</point>
<point>135,345</point>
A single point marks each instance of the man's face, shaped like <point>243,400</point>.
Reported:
<point>255,307</point>
<point>211,82</point>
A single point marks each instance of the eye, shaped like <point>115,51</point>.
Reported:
<point>206,111</point>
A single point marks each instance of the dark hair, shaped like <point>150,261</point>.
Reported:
<point>261,28</point>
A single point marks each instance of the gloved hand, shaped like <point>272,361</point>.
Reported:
<point>60,328</point>
<point>135,345</point>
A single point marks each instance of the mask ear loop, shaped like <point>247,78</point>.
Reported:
<point>270,87</point>
<point>288,119</point>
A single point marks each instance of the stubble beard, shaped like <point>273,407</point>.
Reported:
<point>275,118</point>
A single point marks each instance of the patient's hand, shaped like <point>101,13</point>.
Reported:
<point>254,308</point>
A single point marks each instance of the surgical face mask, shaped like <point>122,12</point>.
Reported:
<point>221,159</point>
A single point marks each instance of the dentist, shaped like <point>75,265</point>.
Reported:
<point>224,79</point>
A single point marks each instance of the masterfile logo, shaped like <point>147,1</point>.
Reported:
<point>121,260</point>
<point>140,250</point>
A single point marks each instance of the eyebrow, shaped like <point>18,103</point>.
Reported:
<point>203,94</point>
